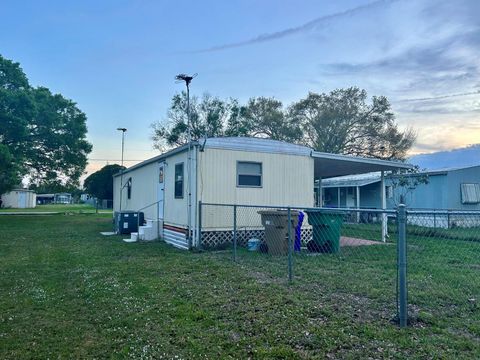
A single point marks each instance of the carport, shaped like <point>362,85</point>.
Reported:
<point>328,165</point>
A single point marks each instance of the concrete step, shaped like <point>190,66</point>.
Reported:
<point>133,238</point>
<point>148,232</point>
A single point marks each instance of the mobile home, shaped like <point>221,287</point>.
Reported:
<point>455,189</point>
<point>250,171</point>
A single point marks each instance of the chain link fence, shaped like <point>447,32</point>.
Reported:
<point>443,261</point>
<point>360,255</point>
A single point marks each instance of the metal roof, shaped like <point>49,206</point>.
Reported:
<point>256,145</point>
<point>366,179</point>
<point>352,180</point>
<point>333,165</point>
<point>21,189</point>
<point>156,158</point>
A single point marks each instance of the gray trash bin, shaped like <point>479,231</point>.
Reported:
<point>276,229</point>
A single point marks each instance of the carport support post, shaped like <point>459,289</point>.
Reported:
<point>358,203</point>
<point>290,245</point>
<point>319,193</point>
<point>384,206</point>
<point>402,265</point>
<point>235,233</point>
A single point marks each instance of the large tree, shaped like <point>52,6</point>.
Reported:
<point>211,116</point>
<point>100,183</point>
<point>43,133</point>
<point>344,122</point>
<point>9,172</point>
<point>265,117</point>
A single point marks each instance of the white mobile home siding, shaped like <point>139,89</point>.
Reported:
<point>287,180</point>
<point>144,190</point>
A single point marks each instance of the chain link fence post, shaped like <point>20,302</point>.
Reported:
<point>234,233</point>
<point>290,245</point>
<point>402,265</point>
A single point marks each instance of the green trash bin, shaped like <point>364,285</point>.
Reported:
<point>326,230</point>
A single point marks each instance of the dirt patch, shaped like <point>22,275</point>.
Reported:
<point>349,241</point>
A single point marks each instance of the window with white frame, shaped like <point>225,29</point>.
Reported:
<point>249,174</point>
<point>470,193</point>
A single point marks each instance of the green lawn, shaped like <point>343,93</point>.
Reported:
<point>68,292</point>
<point>70,208</point>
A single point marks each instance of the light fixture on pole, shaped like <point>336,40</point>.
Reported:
<point>188,79</point>
<point>123,130</point>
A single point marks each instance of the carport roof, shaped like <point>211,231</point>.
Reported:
<point>331,165</point>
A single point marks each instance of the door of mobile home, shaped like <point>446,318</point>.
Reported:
<point>161,189</point>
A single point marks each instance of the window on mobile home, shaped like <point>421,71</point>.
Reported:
<point>129,188</point>
<point>179,181</point>
<point>249,174</point>
<point>470,193</point>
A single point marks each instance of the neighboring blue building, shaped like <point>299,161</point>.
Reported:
<point>457,189</point>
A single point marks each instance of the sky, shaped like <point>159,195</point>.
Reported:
<point>117,59</point>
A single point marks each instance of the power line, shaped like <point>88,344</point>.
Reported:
<point>113,160</point>
<point>441,96</point>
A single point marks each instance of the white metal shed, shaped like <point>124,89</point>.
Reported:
<point>19,198</point>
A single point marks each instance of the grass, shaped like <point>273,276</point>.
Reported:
<point>64,208</point>
<point>68,292</point>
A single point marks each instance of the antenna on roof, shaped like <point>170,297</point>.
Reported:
<point>203,143</point>
<point>188,79</point>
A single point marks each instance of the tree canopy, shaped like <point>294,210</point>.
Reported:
<point>212,117</point>
<point>100,183</point>
<point>342,121</point>
<point>42,134</point>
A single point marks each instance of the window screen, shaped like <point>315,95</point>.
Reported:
<point>179,181</point>
<point>470,193</point>
<point>389,192</point>
<point>249,174</point>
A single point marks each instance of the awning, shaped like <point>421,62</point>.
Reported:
<point>331,165</point>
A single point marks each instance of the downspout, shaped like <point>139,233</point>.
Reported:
<point>195,200</point>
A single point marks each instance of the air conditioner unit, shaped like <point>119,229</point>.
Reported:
<point>127,221</point>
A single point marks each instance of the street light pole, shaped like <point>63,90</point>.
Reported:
<point>123,130</point>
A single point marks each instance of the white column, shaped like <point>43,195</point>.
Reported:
<point>358,203</point>
<point>338,197</point>
<point>384,206</point>
<point>319,193</point>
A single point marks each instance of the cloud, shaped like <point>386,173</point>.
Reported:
<point>311,25</point>
<point>441,96</point>
<point>433,53</point>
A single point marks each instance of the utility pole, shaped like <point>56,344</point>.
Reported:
<point>123,130</point>
<point>188,79</point>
